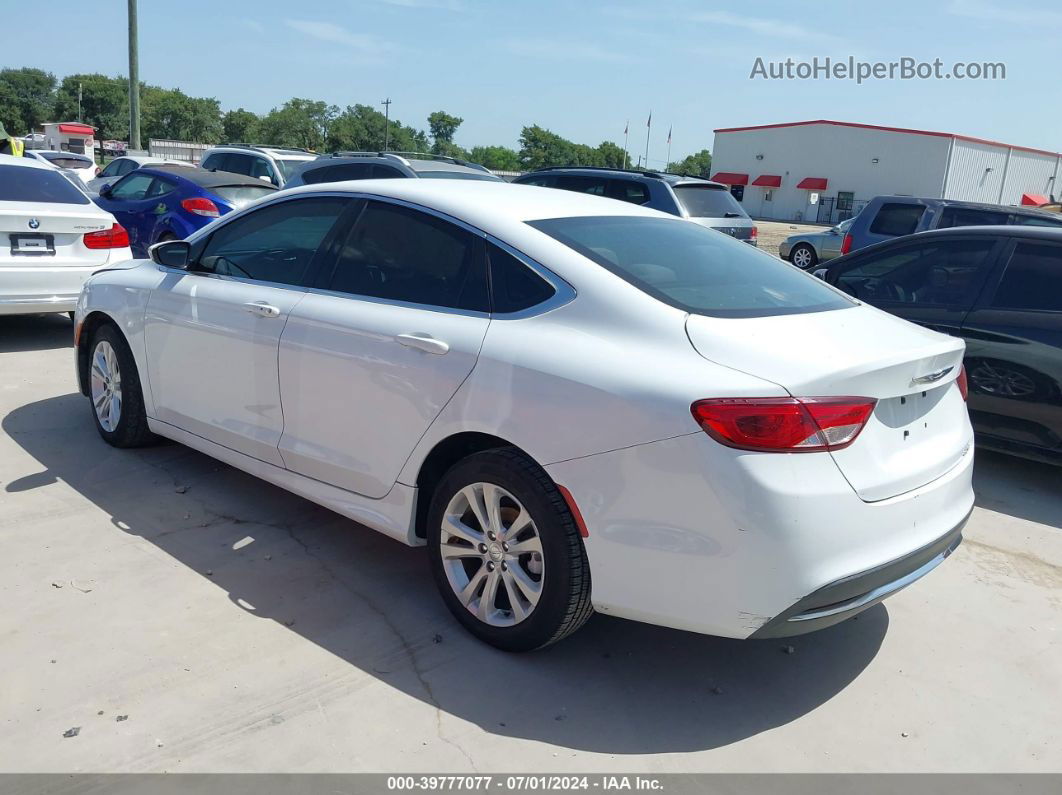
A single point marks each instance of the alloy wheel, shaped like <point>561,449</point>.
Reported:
<point>802,257</point>
<point>106,385</point>
<point>492,554</point>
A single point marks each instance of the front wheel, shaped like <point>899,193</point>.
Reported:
<point>505,552</point>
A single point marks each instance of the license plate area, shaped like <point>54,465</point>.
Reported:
<point>32,245</point>
<point>911,417</point>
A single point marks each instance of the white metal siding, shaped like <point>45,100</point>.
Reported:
<point>1029,172</point>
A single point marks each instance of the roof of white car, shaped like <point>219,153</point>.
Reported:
<point>28,162</point>
<point>481,202</point>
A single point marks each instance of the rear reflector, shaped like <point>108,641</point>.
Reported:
<point>964,386</point>
<point>576,514</point>
<point>201,206</point>
<point>115,237</point>
<point>846,244</point>
<point>784,425</point>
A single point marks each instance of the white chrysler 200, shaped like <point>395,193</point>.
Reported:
<point>576,403</point>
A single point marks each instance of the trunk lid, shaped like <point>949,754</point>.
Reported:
<point>919,428</point>
<point>50,235</point>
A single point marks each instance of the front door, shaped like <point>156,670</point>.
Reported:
<point>212,332</point>
<point>134,202</point>
<point>368,360</point>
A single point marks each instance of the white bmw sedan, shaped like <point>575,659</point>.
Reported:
<point>577,404</point>
<point>52,237</point>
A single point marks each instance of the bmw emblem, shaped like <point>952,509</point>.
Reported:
<point>34,223</point>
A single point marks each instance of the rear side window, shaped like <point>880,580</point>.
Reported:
<point>541,181</point>
<point>627,190</point>
<point>1037,220</point>
<point>400,254</point>
<point>708,202</point>
<point>214,162</point>
<point>22,184</point>
<point>241,195</point>
<point>273,244</point>
<point>596,186</point>
<point>962,216</point>
<point>1032,279</point>
<point>337,173</point>
<point>897,219</point>
<point>514,286</point>
<point>692,267</point>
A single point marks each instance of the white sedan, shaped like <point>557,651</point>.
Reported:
<point>81,166</point>
<point>52,237</point>
<point>574,402</point>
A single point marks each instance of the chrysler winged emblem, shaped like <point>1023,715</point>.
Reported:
<point>931,378</point>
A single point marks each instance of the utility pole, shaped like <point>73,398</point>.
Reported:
<point>134,80</point>
<point>387,122</point>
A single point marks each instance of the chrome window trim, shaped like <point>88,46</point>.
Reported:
<point>563,294</point>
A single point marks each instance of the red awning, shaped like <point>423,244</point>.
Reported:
<point>77,129</point>
<point>768,181</point>
<point>730,178</point>
<point>812,183</point>
<point>1034,199</point>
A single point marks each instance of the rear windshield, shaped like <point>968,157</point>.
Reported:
<point>242,195</point>
<point>66,161</point>
<point>482,175</point>
<point>21,184</point>
<point>704,201</point>
<point>694,268</point>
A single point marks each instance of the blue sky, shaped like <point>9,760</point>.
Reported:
<point>580,67</point>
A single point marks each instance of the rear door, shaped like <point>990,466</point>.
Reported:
<point>1014,348</point>
<point>368,360</point>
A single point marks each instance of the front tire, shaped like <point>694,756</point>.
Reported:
<point>803,256</point>
<point>506,553</point>
<point>114,389</point>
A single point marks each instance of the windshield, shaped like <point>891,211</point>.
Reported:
<point>21,184</point>
<point>242,195</point>
<point>692,267</point>
<point>483,175</point>
<point>287,167</point>
<point>704,201</point>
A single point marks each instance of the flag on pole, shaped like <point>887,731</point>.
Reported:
<point>627,128</point>
<point>650,122</point>
<point>669,136</point>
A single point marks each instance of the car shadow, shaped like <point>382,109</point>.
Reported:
<point>614,687</point>
<point>1019,487</point>
<point>24,333</point>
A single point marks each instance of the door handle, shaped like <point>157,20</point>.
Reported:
<point>262,309</point>
<point>423,342</point>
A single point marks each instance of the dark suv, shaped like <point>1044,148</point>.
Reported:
<point>886,217</point>
<point>342,166</point>
<point>700,200</point>
<point>1000,289</point>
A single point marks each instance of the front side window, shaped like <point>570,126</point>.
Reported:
<point>514,286</point>
<point>400,254</point>
<point>692,267</point>
<point>896,219</point>
<point>260,169</point>
<point>214,162</point>
<point>114,168</point>
<point>273,244</point>
<point>132,188</point>
<point>540,181</point>
<point>1032,280</point>
<point>964,216</point>
<point>947,273</point>
<point>236,164</point>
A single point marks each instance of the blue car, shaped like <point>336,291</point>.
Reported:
<point>171,202</point>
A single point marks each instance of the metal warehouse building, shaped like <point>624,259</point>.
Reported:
<point>826,171</point>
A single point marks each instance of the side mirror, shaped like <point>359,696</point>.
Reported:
<point>171,253</point>
<point>820,273</point>
<point>266,178</point>
<point>105,190</point>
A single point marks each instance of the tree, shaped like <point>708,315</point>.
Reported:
<point>611,155</point>
<point>695,165</point>
<point>11,111</point>
<point>496,158</point>
<point>360,128</point>
<point>240,126</point>
<point>300,122</point>
<point>174,115</point>
<point>443,126</point>
<point>32,92</point>
<point>104,105</point>
<point>540,148</point>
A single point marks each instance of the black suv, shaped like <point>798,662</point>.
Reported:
<point>1000,289</point>
<point>342,166</point>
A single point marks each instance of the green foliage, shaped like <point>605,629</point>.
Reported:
<point>300,122</point>
<point>360,128</point>
<point>26,99</point>
<point>174,114</point>
<point>496,158</point>
<point>696,165</point>
<point>540,148</point>
<point>443,126</point>
<point>104,105</point>
<point>240,126</point>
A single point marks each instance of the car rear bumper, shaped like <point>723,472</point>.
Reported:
<point>689,534</point>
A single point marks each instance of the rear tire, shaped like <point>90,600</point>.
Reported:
<point>521,582</point>
<point>804,256</point>
<point>114,391</point>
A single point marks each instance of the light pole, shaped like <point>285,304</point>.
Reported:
<point>387,122</point>
<point>134,80</point>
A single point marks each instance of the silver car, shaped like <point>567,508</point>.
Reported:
<point>808,249</point>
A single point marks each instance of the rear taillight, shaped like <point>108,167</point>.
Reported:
<point>784,425</point>
<point>846,244</point>
<point>98,171</point>
<point>754,233</point>
<point>115,237</point>
<point>964,385</point>
<point>201,206</point>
